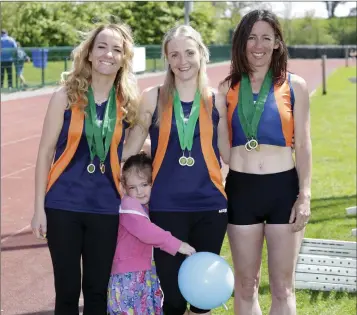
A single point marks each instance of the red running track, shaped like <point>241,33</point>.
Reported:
<point>26,270</point>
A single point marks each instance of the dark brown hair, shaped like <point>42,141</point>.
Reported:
<point>240,64</point>
<point>141,164</point>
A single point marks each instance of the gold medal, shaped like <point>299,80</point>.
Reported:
<point>247,146</point>
<point>190,161</point>
<point>102,167</point>
<point>183,161</point>
<point>91,168</point>
<point>253,144</point>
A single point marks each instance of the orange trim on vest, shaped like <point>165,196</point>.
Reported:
<point>283,102</point>
<point>74,136</point>
<point>164,135</point>
<point>114,158</point>
<point>232,101</point>
<point>206,136</point>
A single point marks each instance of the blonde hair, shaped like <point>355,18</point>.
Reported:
<point>78,79</point>
<point>168,87</point>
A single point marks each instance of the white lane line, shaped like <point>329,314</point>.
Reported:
<point>15,233</point>
<point>19,171</point>
<point>20,140</point>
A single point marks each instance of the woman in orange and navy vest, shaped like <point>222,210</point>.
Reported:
<point>268,193</point>
<point>77,198</point>
<point>188,132</point>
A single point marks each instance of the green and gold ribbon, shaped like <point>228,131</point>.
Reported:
<point>99,134</point>
<point>186,130</point>
<point>249,114</point>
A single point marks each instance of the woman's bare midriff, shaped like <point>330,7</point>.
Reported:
<point>267,160</point>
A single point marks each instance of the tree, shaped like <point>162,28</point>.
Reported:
<point>331,7</point>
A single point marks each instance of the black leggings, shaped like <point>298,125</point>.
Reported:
<point>92,237</point>
<point>205,231</point>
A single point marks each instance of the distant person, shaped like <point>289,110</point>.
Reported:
<point>6,57</point>
<point>22,57</point>
<point>353,53</point>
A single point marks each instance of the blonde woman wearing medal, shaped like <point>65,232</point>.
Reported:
<point>268,192</point>
<point>188,132</point>
<point>78,167</point>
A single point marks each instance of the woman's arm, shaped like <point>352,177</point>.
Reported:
<point>302,136</point>
<point>303,151</point>
<point>138,133</point>
<point>51,129</point>
<point>223,138</point>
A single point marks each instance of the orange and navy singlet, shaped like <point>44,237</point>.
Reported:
<point>276,125</point>
<point>70,186</point>
<point>183,188</point>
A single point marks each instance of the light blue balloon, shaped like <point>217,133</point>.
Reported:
<point>206,280</point>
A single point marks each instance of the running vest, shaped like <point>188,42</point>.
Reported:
<point>183,188</point>
<point>276,125</point>
<point>70,186</point>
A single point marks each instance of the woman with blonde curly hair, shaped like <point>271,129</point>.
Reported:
<point>78,167</point>
<point>189,132</point>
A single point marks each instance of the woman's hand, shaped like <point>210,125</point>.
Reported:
<point>300,213</point>
<point>39,224</point>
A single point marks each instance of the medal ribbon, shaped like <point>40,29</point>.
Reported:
<point>100,137</point>
<point>186,131</point>
<point>249,114</point>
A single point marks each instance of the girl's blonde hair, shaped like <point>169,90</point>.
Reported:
<point>168,87</point>
<point>78,79</point>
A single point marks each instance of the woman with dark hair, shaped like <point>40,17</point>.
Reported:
<point>268,190</point>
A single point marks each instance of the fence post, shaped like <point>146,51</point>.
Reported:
<point>346,56</point>
<point>324,75</point>
<point>43,66</point>
<point>16,67</point>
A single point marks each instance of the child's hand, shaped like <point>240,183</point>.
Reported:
<point>186,249</point>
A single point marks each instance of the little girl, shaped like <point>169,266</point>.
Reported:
<point>134,287</point>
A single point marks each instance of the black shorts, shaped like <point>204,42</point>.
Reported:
<point>204,230</point>
<point>254,198</point>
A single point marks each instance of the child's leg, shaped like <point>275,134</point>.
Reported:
<point>22,79</point>
<point>115,297</point>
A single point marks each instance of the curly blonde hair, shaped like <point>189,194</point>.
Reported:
<point>78,79</point>
<point>168,87</point>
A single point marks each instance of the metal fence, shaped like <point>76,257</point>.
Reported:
<point>43,66</point>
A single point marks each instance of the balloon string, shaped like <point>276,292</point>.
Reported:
<point>225,306</point>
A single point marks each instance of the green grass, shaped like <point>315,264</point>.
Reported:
<point>333,131</point>
<point>53,70</point>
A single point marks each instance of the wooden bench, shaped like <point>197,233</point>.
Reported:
<point>326,265</point>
